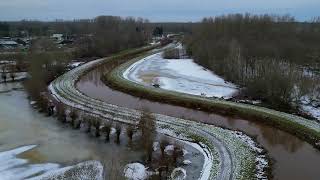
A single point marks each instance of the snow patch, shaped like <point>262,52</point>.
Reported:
<point>186,162</point>
<point>135,171</point>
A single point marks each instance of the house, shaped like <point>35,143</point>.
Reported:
<point>57,37</point>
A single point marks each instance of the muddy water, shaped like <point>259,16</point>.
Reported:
<point>293,158</point>
<point>21,125</point>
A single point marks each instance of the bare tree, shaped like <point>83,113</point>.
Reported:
<point>163,144</point>
<point>74,116</point>
<point>61,112</point>
<point>130,132</point>
<point>118,133</point>
<point>147,125</point>
<point>107,130</point>
<point>4,74</point>
<point>89,122</point>
<point>97,124</point>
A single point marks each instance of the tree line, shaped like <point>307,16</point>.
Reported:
<point>266,55</point>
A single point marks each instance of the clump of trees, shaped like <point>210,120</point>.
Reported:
<point>45,64</point>
<point>264,54</point>
<point>171,54</point>
<point>110,34</point>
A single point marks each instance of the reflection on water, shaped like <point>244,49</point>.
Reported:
<point>294,158</point>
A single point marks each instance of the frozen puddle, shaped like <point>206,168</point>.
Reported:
<point>181,75</point>
<point>14,168</point>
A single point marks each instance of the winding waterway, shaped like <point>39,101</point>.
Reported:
<point>293,159</point>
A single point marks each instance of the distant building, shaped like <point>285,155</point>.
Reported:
<point>57,37</point>
<point>65,42</point>
<point>8,44</point>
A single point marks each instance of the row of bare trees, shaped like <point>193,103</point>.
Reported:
<point>8,71</point>
<point>144,131</point>
<point>264,54</point>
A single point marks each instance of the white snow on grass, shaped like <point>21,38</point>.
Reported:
<point>89,170</point>
<point>181,75</point>
<point>261,162</point>
<point>18,77</point>
<point>313,111</point>
<point>75,64</point>
<point>135,171</point>
<point>311,105</point>
<point>12,167</point>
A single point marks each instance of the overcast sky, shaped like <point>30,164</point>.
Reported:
<point>154,10</point>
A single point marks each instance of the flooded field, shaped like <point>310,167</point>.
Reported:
<point>21,125</point>
<point>38,143</point>
<point>293,159</point>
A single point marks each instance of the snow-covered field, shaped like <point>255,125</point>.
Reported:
<point>181,75</point>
